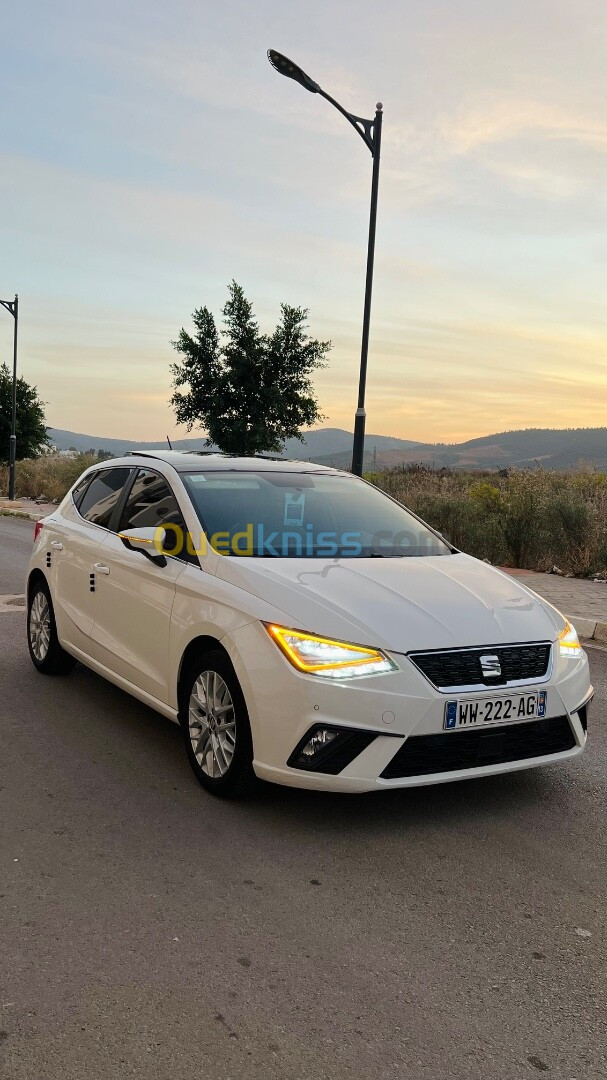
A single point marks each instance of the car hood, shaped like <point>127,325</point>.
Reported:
<point>432,602</point>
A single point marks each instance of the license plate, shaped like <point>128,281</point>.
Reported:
<point>482,712</point>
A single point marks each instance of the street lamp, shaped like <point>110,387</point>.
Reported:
<point>12,306</point>
<point>370,133</point>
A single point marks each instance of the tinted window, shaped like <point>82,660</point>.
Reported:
<point>102,495</point>
<point>150,503</point>
<point>315,515</point>
<point>80,489</point>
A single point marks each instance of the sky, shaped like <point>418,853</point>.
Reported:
<point>149,154</point>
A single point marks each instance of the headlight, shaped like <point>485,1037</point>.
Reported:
<point>330,659</point>
<point>569,642</point>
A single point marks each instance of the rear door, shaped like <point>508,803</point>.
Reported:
<point>77,538</point>
<point>134,596</point>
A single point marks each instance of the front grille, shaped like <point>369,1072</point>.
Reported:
<point>462,667</point>
<point>422,754</point>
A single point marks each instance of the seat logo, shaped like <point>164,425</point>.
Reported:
<point>490,666</point>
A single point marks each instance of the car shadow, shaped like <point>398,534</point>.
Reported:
<point>132,728</point>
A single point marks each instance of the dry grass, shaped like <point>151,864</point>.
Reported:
<point>48,477</point>
<point>534,519</point>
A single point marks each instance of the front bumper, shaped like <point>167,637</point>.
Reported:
<point>284,705</point>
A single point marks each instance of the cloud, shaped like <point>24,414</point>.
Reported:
<point>502,120</point>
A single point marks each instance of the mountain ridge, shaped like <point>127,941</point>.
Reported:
<point>318,441</point>
<point>554,448</point>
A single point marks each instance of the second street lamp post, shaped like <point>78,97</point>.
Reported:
<point>370,133</point>
<point>12,306</point>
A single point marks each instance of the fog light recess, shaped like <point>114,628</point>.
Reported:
<point>320,739</point>
<point>328,750</point>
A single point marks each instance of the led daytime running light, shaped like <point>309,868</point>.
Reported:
<point>316,655</point>
<point>569,641</point>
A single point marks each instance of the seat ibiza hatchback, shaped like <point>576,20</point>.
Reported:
<point>301,626</point>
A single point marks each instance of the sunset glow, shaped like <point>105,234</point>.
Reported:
<point>150,155</point>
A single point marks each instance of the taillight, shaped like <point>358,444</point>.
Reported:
<point>37,529</point>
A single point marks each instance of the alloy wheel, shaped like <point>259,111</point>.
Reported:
<point>40,626</point>
<point>212,724</point>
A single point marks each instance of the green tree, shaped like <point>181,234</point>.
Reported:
<point>249,391</point>
<point>31,423</point>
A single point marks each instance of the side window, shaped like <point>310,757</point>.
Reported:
<point>102,495</point>
<point>151,503</point>
<point>79,490</point>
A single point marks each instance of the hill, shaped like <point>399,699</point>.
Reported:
<point>531,448</point>
<point>551,448</point>
<point>319,442</point>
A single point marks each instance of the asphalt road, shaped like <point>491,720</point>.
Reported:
<point>148,930</point>
<point>16,540</point>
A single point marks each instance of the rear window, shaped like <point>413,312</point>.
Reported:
<point>102,495</point>
<point>79,490</point>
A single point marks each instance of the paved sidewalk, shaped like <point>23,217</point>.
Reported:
<point>28,508</point>
<point>582,601</point>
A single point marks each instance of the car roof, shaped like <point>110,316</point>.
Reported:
<point>196,461</point>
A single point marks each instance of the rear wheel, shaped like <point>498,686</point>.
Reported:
<point>215,724</point>
<point>45,650</point>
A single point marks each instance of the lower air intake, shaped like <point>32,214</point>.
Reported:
<point>450,751</point>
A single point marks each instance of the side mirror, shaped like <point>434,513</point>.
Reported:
<point>144,541</point>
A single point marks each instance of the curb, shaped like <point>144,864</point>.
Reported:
<point>30,515</point>
<point>589,629</point>
<point>12,602</point>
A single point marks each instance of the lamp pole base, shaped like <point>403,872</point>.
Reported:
<point>12,459</point>
<point>358,448</point>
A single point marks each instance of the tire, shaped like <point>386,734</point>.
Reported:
<point>46,652</point>
<point>218,743</point>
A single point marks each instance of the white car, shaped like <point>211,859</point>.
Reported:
<point>301,626</point>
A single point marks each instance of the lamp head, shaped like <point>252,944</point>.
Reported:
<point>284,66</point>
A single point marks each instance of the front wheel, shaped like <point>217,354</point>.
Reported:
<point>215,724</point>
<point>45,650</point>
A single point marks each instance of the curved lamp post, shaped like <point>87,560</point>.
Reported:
<point>370,133</point>
<point>12,306</point>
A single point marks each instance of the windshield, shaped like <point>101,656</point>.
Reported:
<point>309,515</point>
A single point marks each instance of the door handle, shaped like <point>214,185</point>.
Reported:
<point>101,568</point>
<point>57,545</point>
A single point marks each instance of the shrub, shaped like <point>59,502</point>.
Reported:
<point>487,496</point>
<point>521,518</point>
<point>533,519</point>
<point>49,476</point>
